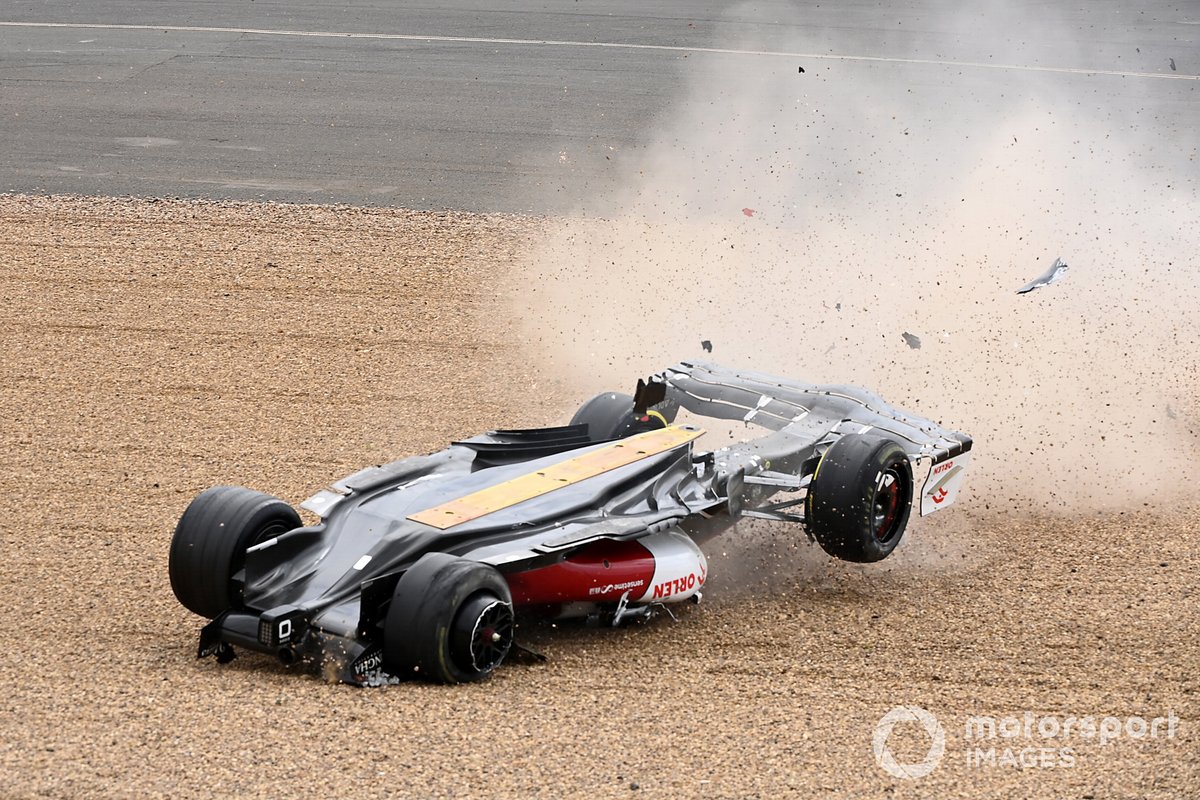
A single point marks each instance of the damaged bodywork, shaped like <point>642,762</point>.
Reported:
<point>420,567</point>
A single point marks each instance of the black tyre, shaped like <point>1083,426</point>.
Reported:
<point>860,498</point>
<point>450,621</point>
<point>610,416</point>
<point>210,541</point>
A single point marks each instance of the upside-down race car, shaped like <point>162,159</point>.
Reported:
<point>419,568</point>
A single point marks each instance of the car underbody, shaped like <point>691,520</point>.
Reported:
<point>601,519</point>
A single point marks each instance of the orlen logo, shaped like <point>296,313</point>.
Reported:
<point>940,468</point>
<point>677,586</point>
<point>939,496</point>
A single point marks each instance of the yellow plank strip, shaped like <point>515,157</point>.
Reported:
<point>556,476</point>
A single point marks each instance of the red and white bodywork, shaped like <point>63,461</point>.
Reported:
<point>661,568</point>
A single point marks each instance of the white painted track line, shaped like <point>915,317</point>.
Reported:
<point>412,37</point>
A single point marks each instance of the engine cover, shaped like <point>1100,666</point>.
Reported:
<point>660,568</point>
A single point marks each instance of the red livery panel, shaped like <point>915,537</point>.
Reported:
<point>599,572</point>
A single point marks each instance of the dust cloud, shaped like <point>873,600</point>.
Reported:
<point>804,222</point>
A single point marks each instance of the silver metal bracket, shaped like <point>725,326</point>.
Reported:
<point>781,510</point>
<point>792,483</point>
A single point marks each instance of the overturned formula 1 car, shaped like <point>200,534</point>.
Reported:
<point>419,568</point>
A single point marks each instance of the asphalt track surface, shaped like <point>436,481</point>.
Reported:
<point>534,107</point>
<point>156,347</point>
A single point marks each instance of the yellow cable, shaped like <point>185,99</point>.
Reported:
<point>657,416</point>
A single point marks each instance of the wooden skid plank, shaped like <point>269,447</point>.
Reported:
<point>573,470</point>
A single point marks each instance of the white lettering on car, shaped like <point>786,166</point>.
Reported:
<point>615,587</point>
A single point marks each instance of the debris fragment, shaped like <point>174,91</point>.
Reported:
<point>1057,271</point>
<point>1171,412</point>
<point>749,212</point>
<point>1172,64</point>
<point>801,71</point>
<point>707,345</point>
<point>911,340</point>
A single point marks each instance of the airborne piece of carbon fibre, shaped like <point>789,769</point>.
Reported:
<point>421,567</point>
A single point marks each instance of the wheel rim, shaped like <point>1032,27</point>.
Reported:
<point>484,633</point>
<point>885,511</point>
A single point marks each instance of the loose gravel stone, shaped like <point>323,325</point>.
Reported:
<point>154,348</point>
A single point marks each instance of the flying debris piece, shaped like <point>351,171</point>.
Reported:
<point>1056,273</point>
<point>749,212</point>
<point>911,340</point>
<point>707,345</point>
<point>1172,64</point>
<point>1171,412</point>
<point>838,306</point>
<point>801,72</point>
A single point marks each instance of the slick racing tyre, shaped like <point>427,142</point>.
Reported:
<point>860,498</point>
<point>450,621</point>
<point>610,416</point>
<point>210,541</point>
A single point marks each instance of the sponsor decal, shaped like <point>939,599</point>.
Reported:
<point>367,663</point>
<point>615,587</point>
<point>676,586</point>
<point>943,484</point>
